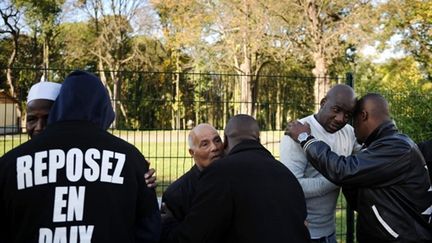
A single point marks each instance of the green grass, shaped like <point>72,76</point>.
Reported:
<point>168,153</point>
<point>8,142</point>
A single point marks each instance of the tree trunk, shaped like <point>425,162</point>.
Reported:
<point>246,66</point>
<point>105,83</point>
<point>11,62</point>
<point>320,70</point>
<point>225,105</point>
<point>177,101</point>
<point>321,84</point>
<point>46,58</point>
<point>104,78</point>
<point>177,97</point>
<point>246,81</point>
<point>9,78</point>
<point>246,97</point>
<point>116,94</point>
<point>254,95</point>
<point>279,106</point>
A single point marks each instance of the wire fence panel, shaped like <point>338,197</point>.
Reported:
<point>156,110</point>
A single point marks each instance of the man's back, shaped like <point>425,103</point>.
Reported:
<point>74,183</point>
<point>247,197</point>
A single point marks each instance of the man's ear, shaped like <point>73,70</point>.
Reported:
<point>364,115</point>
<point>323,101</point>
<point>191,152</point>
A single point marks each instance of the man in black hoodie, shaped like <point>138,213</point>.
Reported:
<point>75,182</point>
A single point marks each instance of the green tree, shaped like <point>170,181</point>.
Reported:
<point>231,35</point>
<point>322,30</point>
<point>43,18</point>
<point>11,17</point>
<point>412,22</point>
<point>404,86</point>
<point>75,41</point>
<point>182,25</point>
<point>111,23</point>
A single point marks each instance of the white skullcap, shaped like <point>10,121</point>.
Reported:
<point>44,90</point>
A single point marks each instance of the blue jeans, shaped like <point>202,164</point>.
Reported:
<point>325,239</point>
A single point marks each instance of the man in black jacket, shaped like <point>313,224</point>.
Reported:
<point>246,197</point>
<point>205,146</point>
<point>390,187</point>
<point>75,182</point>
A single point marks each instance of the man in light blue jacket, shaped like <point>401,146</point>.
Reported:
<point>329,125</point>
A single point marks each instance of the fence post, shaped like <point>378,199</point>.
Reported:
<point>349,212</point>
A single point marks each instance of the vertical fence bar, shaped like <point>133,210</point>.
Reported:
<point>349,212</point>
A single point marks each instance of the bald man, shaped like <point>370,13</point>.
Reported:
<point>393,191</point>
<point>246,197</point>
<point>205,146</point>
<point>329,125</point>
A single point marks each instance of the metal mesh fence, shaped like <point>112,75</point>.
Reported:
<point>156,110</point>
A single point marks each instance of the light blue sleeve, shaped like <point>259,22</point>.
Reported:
<point>294,158</point>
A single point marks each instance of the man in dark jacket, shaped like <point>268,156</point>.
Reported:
<point>205,146</point>
<point>75,182</point>
<point>392,190</point>
<point>246,197</point>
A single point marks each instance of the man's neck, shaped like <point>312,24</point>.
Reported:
<point>317,118</point>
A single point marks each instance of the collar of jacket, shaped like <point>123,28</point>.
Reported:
<point>248,144</point>
<point>83,125</point>
<point>195,170</point>
<point>385,129</point>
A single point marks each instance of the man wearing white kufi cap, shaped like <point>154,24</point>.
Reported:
<point>39,102</point>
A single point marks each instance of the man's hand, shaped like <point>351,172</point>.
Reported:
<point>150,178</point>
<point>165,212</point>
<point>295,128</point>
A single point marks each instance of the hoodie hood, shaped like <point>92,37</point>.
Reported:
<point>82,97</point>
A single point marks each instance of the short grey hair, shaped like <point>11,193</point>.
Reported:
<point>190,140</point>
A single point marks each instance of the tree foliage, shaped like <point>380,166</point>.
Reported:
<point>408,93</point>
<point>172,62</point>
<point>411,21</point>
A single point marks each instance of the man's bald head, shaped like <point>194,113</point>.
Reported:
<point>240,127</point>
<point>376,106</point>
<point>336,108</point>
<point>340,90</point>
<point>205,145</point>
<point>371,111</point>
<point>196,131</point>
